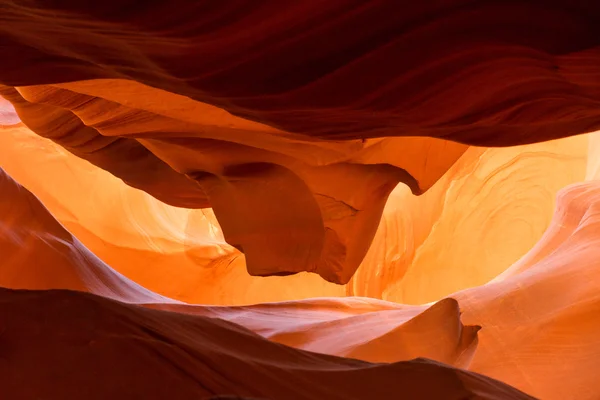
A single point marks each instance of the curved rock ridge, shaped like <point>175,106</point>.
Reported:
<point>386,335</point>
<point>479,73</point>
<point>417,255</point>
<point>520,334</point>
<point>38,253</point>
<point>289,205</point>
<point>332,140</point>
<point>543,307</point>
<point>157,354</point>
<point>538,324</point>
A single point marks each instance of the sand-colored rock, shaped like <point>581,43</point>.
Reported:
<point>143,238</point>
<point>430,246</point>
<point>188,152</point>
<point>289,205</point>
<point>429,70</point>
<point>38,253</point>
<point>514,189</point>
<point>519,337</point>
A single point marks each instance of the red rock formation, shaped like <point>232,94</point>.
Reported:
<point>156,355</point>
<point>141,237</point>
<point>295,122</point>
<point>287,207</point>
<point>538,326</point>
<point>514,190</point>
<point>40,254</point>
<point>488,210</point>
<point>482,72</point>
<point>418,62</point>
<point>513,346</point>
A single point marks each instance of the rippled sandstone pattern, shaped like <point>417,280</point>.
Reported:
<point>514,189</point>
<point>543,85</point>
<point>518,335</point>
<point>46,329</point>
<point>297,143</point>
<point>289,207</point>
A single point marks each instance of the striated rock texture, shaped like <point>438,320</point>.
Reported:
<point>480,73</point>
<point>40,254</point>
<point>418,252</point>
<point>179,153</point>
<point>289,205</point>
<point>487,211</point>
<point>540,311</point>
<point>83,337</point>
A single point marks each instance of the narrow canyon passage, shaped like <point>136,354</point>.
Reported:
<point>342,200</point>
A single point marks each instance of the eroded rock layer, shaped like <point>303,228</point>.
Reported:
<point>506,332</point>
<point>172,91</point>
<point>417,255</point>
<point>483,72</point>
<point>157,355</point>
<point>290,205</point>
<point>193,152</point>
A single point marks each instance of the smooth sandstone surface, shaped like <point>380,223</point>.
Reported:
<point>53,334</point>
<point>481,74</point>
<point>268,200</point>
<point>514,188</point>
<point>289,205</point>
<point>38,253</point>
<point>156,355</point>
<point>483,339</point>
<point>503,309</point>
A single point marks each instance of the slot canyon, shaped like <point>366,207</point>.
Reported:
<point>299,200</point>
